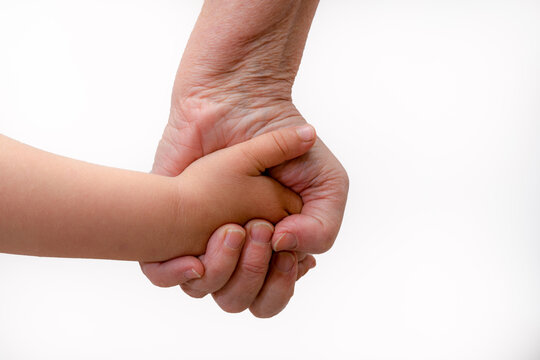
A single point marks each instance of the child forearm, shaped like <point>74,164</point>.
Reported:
<point>55,206</point>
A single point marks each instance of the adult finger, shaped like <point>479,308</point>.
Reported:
<point>323,185</point>
<point>181,270</point>
<point>244,285</point>
<point>220,259</point>
<point>279,286</point>
<point>173,272</point>
<point>304,262</point>
<point>305,265</point>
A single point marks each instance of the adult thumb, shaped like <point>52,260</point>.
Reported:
<point>273,148</point>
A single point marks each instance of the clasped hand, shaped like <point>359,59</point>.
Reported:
<point>234,83</point>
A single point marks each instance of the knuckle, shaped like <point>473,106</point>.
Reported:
<point>232,307</point>
<point>324,244</point>
<point>252,271</point>
<point>159,283</point>
<point>327,244</point>
<point>326,236</point>
<point>345,181</point>
<point>265,310</point>
<point>154,279</point>
<point>262,314</point>
<point>253,159</point>
<point>197,294</point>
<point>213,284</point>
<point>340,179</point>
<point>280,143</point>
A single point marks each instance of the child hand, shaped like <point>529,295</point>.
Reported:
<point>229,186</point>
<point>55,206</point>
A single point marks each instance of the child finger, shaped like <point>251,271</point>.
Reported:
<point>276,147</point>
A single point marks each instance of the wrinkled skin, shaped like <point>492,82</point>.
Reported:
<point>234,82</point>
<point>318,177</point>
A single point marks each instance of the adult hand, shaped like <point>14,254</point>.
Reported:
<point>200,126</point>
<point>317,176</point>
<point>235,83</point>
<point>234,287</point>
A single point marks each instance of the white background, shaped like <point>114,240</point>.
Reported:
<point>433,108</point>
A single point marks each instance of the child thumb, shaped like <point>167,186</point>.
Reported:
<point>271,149</point>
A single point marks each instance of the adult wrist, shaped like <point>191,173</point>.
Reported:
<point>240,47</point>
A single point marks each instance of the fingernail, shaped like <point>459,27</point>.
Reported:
<point>261,232</point>
<point>286,241</point>
<point>306,132</point>
<point>234,238</point>
<point>192,274</point>
<point>284,261</point>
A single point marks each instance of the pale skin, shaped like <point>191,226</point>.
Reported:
<point>55,206</point>
<point>233,83</point>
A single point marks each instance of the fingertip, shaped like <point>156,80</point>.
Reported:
<point>234,238</point>
<point>292,202</point>
<point>229,238</point>
<point>190,271</point>
<point>306,133</point>
<point>271,149</point>
<point>191,274</point>
<point>260,231</point>
<point>285,261</point>
<point>285,241</point>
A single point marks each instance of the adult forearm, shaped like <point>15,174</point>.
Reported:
<point>252,47</point>
<point>55,206</point>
